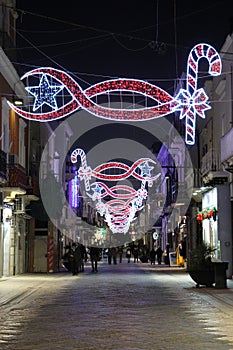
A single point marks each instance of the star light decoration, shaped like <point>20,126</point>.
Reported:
<point>190,101</point>
<point>44,93</point>
<point>125,201</point>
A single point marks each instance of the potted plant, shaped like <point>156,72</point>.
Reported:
<point>200,266</point>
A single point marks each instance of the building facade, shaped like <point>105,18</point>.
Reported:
<point>15,185</point>
<point>216,154</point>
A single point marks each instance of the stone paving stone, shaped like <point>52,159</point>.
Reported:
<point>122,307</point>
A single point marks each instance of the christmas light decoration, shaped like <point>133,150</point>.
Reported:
<point>55,85</point>
<point>193,100</point>
<point>125,201</point>
<point>207,214</point>
<point>44,93</point>
<point>74,192</point>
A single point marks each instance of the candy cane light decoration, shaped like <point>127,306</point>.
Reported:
<point>193,100</point>
<point>54,83</point>
<point>125,201</point>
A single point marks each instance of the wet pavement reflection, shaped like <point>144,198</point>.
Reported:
<point>123,306</point>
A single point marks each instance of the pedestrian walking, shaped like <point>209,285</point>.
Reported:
<point>167,260</point>
<point>152,256</point>
<point>120,252</point>
<point>135,254</point>
<point>94,255</point>
<point>159,253</point>
<point>70,256</point>
<point>77,258</point>
<point>83,256</point>
<point>114,255</point>
<point>179,255</point>
<point>74,256</point>
<point>109,256</point>
<point>128,254</point>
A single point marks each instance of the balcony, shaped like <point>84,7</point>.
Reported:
<point>18,183</point>
<point>227,151</point>
<point>211,168</point>
<point>17,176</point>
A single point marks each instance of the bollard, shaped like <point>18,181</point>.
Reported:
<point>220,274</point>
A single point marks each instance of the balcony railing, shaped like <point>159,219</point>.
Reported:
<point>212,169</point>
<point>210,162</point>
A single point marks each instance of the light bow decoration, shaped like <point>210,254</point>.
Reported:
<point>125,201</point>
<point>55,85</point>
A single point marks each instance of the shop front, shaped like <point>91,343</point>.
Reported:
<point>7,262</point>
<point>209,218</point>
<point>216,223</point>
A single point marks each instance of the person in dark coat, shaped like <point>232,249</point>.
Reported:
<point>135,254</point>
<point>167,260</point>
<point>74,256</point>
<point>114,255</point>
<point>94,255</point>
<point>128,254</point>
<point>109,256</point>
<point>78,258</point>
<point>159,253</point>
<point>83,256</point>
<point>120,252</point>
<point>71,258</point>
<point>152,256</point>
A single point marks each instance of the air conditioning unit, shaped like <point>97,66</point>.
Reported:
<point>13,159</point>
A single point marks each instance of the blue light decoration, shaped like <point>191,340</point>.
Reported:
<point>44,93</point>
<point>74,191</point>
<point>190,101</point>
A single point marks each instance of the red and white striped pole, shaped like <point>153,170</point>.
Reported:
<point>50,254</point>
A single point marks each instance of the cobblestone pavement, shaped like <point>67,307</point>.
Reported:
<point>122,307</point>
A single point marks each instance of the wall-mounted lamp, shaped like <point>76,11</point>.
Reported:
<point>17,101</point>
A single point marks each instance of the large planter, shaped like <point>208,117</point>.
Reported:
<point>203,277</point>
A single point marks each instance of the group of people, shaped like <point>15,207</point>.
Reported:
<point>112,254</point>
<point>135,254</point>
<point>77,256</point>
<point>153,253</point>
<point>115,252</point>
<point>132,252</point>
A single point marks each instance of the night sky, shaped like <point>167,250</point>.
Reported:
<point>97,40</point>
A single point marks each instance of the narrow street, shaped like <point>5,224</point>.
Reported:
<point>125,306</point>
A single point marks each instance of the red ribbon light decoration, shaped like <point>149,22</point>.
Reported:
<point>54,82</point>
<point>120,211</point>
